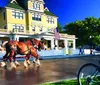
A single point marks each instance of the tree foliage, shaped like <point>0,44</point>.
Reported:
<point>60,28</point>
<point>86,31</point>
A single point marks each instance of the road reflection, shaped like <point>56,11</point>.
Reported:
<point>50,70</point>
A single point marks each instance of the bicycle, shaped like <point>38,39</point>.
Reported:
<point>89,74</point>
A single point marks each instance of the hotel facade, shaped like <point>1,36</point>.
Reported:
<point>24,19</point>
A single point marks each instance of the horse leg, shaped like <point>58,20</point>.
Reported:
<point>33,53</point>
<point>27,59</point>
<point>16,62</point>
<point>5,58</point>
<point>12,53</point>
<point>27,62</point>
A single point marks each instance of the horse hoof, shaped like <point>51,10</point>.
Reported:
<point>13,65</point>
<point>37,65</point>
<point>28,62</point>
<point>25,64</point>
<point>34,62</point>
<point>17,64</point>
<point>3,64</point>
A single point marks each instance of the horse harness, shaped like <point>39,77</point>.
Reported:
<point>33,45</point>
<point>29,51</point>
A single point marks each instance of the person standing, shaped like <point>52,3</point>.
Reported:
<point>80,51</point>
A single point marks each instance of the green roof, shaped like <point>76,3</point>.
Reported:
<point>48,13</point>
<point>14,5</point>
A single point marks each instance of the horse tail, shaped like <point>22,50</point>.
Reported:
<point>4,43</point>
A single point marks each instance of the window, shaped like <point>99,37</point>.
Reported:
<point>21,29</point>
<point>70,43</point>
<point>17,28</point>
<point>33,28</point>
<point>50,20</point>
<point>36,6</point>
<point>40,28</point>
<point>5,27</point>
<point>36,16</point>
<point>17,15</point>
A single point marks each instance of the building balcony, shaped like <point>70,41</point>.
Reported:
<point>22,32</point>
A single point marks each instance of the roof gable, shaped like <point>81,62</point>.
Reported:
<point>13,1</point>
<point>49,13</point>
<point>14,4</point>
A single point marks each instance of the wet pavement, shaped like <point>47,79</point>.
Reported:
<point>50,71</point>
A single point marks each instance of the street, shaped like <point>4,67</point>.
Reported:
<point>50,71</point>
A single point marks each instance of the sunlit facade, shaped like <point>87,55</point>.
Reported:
<point>24,19</point>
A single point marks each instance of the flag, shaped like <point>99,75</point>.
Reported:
<point>56,33</point>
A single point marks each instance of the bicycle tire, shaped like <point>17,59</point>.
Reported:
<point>87,76</point>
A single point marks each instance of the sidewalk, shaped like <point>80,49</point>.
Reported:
<point>64,56</point>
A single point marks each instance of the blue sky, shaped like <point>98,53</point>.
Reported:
<point>71,10</point>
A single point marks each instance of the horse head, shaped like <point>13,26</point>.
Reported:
<point>39,44</point>
<point>13,44</point>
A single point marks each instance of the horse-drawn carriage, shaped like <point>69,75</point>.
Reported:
<point>27,48</point>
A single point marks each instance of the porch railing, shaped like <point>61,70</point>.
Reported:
<point>5,31</point>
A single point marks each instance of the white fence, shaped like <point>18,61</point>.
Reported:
<point>51,52</point>
<point>54,52</point>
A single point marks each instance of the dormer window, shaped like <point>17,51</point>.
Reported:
<point>50,20</point>
<point>36,16</point>
<point>36,5</point>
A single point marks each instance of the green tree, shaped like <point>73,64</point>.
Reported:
<point>84,29</point>
<point>60,28</point>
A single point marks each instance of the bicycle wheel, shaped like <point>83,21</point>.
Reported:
<point>88,74</point>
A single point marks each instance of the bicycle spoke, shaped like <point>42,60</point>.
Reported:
<point>88,75</point>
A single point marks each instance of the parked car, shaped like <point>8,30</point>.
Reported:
<point>97,50</point>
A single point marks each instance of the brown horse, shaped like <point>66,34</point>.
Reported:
<point>23,48</point>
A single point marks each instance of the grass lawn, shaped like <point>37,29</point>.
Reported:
<point>73,82</point>
<point>65,82</point>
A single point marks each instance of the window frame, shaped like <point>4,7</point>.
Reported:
<point>17,15</point>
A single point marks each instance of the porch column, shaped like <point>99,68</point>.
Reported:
<point>74,44</point>
<point>66,46</point>
<point>52,43</point>
<point>56,42</point>
<point>16,38</point>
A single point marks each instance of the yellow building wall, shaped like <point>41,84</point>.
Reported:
<point>29,4</point>
<point>2,21</point>
<point>4,38</point>
<point>41,6</point>
<point>43,21</point>
<point>48,25</point>
<point>27,22</point>
<point>11,20</point>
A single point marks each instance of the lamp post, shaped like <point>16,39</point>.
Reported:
<point>91,44</point>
